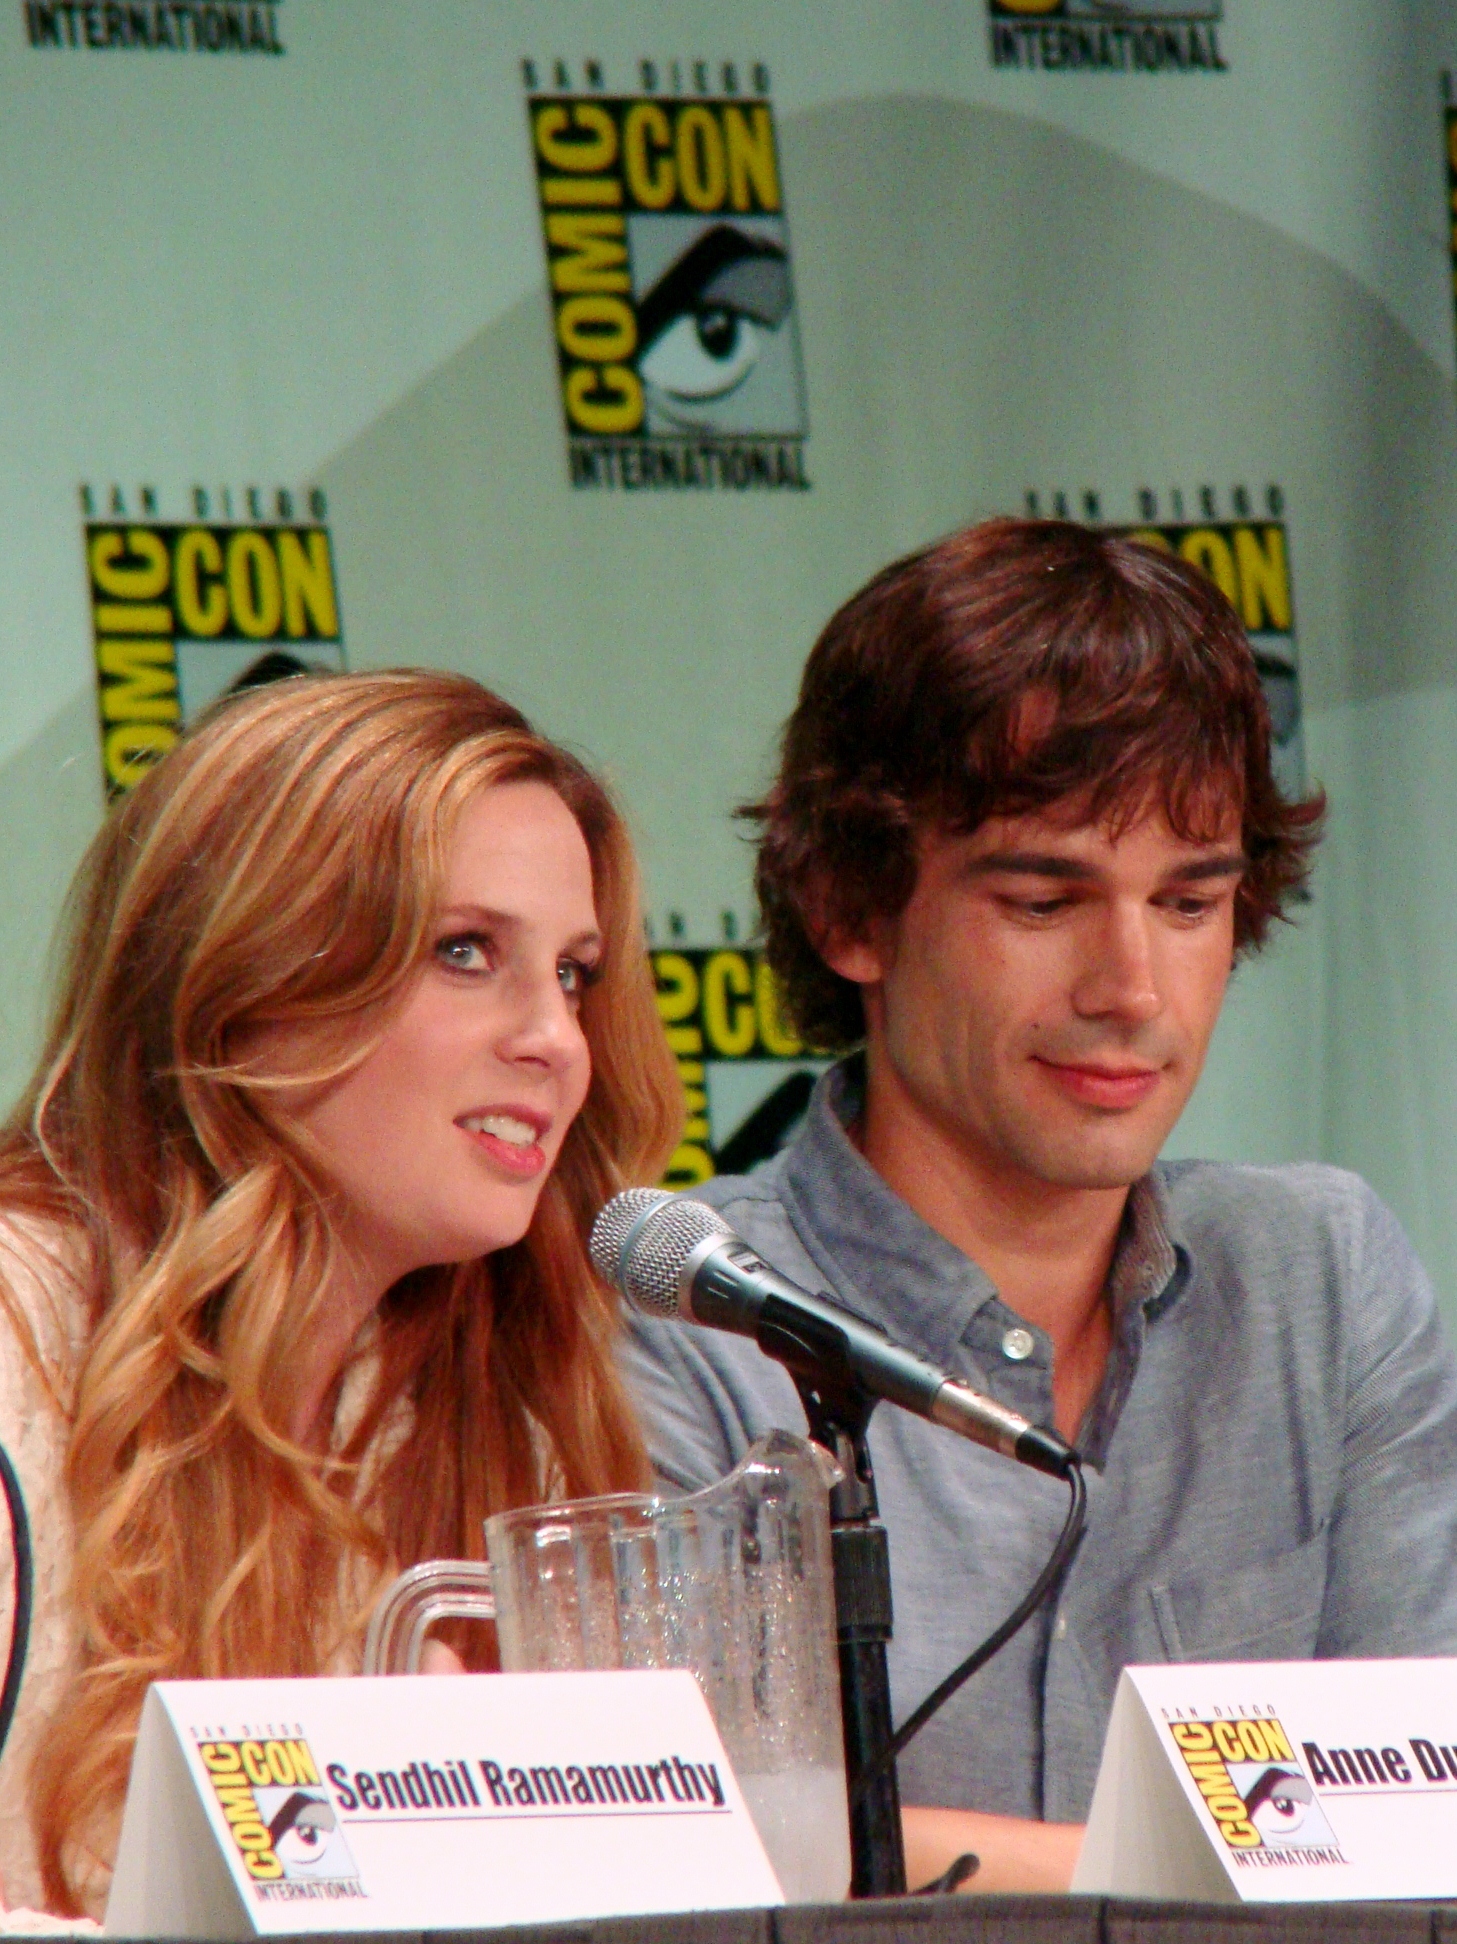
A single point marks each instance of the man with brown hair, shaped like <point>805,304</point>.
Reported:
<point>1023,826</point>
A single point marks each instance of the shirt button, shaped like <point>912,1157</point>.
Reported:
<point>1060,1630</point>
<point>1018,1345</point>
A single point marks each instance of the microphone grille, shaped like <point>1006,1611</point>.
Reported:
<point>614,1224</point>
<point>642,1239</point>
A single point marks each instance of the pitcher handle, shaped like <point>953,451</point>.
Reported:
<point>440,1589</point>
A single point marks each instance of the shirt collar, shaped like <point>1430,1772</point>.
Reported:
<point>1145,1273</point>
<point>881,1260</point>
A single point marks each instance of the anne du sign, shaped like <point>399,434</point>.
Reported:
<point>1311,1781</point>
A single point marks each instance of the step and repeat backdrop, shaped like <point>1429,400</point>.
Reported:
<point>601,350</point>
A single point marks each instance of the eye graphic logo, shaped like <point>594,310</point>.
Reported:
<point>1279,1802</point>
<point>306,1836</point>
<point>672,291</point>
<point>715,357</point>
<point>1255,1788</point>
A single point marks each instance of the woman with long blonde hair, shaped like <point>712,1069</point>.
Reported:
<point>354,1035</point>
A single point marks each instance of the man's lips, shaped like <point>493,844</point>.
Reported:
<point>1103,1086</point>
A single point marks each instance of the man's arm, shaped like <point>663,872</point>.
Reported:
<point>1013,1854</point>
<point>703,1398</point>
<point>1391,1586</point>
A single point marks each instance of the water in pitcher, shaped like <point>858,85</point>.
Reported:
<point>804,1825</point>
<point>733,1582</point>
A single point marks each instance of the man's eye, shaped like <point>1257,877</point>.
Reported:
<point>1039,907</point>
<point>465,952</point>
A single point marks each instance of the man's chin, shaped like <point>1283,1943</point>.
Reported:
<point>1101,1179</point>
<point>1092,1164</point>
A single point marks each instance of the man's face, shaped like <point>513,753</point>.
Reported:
<point>1045,1000</point>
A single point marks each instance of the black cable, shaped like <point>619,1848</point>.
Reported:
<point>993,1644</point>
<point>24,1592</point>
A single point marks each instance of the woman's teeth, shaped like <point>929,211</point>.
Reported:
<point>516,1133</point>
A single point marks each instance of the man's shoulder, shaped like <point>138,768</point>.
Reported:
<point>756,1206</point>
<point>1303,1214</point>
<point>1207,1192</point>
<point>1209,1202</point>
<point>764,1189</point>
<point>1311,1190</point>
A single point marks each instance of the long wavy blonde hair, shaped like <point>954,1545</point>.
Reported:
<point>283,866</point>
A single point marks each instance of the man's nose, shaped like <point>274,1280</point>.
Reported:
<point>1119,978</point>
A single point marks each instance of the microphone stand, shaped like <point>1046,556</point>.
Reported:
<point>839,1409</point>
<point>860,1551</point>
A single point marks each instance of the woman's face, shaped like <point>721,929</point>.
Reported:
<point>442,1140</point>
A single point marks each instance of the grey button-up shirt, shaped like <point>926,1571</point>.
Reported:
<point>1271,1461</point>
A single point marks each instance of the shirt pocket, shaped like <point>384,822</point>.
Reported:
<point>1268,1609</point>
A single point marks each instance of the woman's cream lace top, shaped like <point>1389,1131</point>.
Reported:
<point>36,1271</point>
<point>35,1432</point>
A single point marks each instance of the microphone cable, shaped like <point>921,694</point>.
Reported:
<point>1037,1593</point>
<point>24,1582</point>
<point>656,1248</point>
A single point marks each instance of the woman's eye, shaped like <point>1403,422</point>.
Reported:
<point>465,952</point>
<point>575,977</point>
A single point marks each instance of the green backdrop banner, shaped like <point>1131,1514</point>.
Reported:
<point>601,350</point>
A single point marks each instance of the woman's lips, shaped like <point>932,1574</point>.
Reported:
<point>1100,1086</point>
<point>510,1139</point>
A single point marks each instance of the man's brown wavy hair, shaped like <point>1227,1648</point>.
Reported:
<point>1009,668</point>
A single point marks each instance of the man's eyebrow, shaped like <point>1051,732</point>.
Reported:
<point>1050,864</point>
<point>1030,864</point>
<point>1225,864</point>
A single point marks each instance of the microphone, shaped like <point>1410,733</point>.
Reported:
<point>672,1257</point>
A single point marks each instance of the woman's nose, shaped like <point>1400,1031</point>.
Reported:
<point>544,1025</point>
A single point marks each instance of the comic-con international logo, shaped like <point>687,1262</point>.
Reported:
<point>183,614</point>
<point>746,1076</point>
<point>280,1819</point>
<point>671,290</point>
<point>1249,561</point>
<point>1256,1790</point>
<point>1108,36</point>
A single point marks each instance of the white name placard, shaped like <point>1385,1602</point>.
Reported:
<point>428,1803</point>
<point>1278,1782</point>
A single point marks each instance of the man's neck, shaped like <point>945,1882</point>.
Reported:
<point>1048,1249</point>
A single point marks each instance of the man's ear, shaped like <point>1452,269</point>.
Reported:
<point>856,959</point>
<point>857,956</point>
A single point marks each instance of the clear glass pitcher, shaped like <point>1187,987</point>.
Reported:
<point>733,1582</point>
